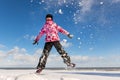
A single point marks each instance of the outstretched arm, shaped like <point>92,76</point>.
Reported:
<point>39,36</point>
<point>64,31</point>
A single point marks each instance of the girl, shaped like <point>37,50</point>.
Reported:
<point>51,30</point>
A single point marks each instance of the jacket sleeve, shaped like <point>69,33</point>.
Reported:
<point>62,30</point>
<point>40,34</point>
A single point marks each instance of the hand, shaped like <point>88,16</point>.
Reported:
<point>35,42</point>
<point>70,36</point>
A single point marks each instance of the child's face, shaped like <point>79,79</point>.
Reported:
<point>48,19</point>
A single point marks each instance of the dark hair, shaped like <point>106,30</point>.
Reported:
<point>49,15</point>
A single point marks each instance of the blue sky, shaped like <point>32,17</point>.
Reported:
<point>94,24</point>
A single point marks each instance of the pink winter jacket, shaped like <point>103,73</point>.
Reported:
<point>51,30</point>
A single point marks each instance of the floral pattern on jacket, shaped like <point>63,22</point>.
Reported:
<point>51,30</point>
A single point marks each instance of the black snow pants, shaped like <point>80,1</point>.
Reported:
<point>46,51</point>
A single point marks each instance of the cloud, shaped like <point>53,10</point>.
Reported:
<point>20,57</point>
<point>2,54</point>
<point>16,50</point>
<point>17,57</point>
<point>95,61</point>
<point>2,46</point>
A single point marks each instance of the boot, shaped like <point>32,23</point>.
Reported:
<point>39,70</point>
<point>71,65</point>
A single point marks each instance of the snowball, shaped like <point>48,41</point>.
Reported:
<point>78,38</point>
<point>64,40</point>
<point>60,11</point>
<point>101,3</point>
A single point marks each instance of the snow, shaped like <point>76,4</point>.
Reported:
<point>60,11</point>
<point>101,3</point>
<point>65,40</point>
<point>78,38</point>
<point>19,74</point>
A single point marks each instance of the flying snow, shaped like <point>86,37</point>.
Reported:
<point>60,11</point>
<point>64,40</point>
<point>78,38</point>
<point>101,3</point>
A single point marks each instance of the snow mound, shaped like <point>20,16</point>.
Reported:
<point>31,76</point>
<point>3,77</point>
<point>34,77</point>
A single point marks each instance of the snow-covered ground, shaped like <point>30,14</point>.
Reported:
<point>18,74</point>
